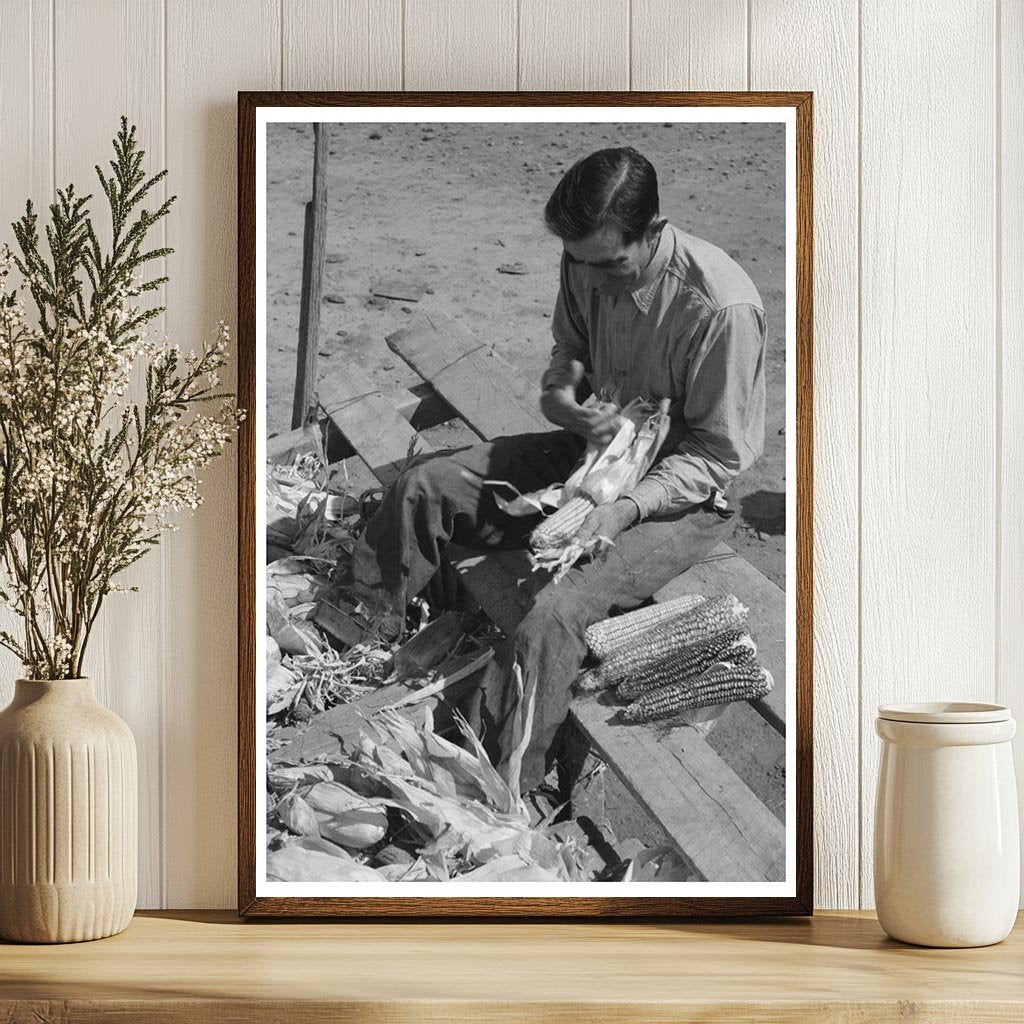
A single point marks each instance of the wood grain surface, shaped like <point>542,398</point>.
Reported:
<point>209,967</point>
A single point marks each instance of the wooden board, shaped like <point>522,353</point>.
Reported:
<point>725,572</point>
<point>407,291</point>
<point>703,805</point>
<point>369,422</point>
<point>490,394</point>
<point>208,967</point>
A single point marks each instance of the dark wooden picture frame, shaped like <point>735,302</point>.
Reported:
<point>249,771</point>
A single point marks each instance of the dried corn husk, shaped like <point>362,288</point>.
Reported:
<point>616,470</point>
<point>334,798</point>
<point>297,816</point>
<point>280,780</point>
<point>357,828</point>
<point>295,863</point>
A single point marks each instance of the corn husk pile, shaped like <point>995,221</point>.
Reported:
<point>414,806</point>
<point>312,527</point>
<point>603,474</point>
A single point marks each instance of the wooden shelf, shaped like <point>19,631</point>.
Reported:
<point>200,967</point>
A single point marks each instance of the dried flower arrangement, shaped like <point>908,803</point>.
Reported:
<point>101,430</point>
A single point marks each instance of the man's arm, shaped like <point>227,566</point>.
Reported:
<point>722,429</point>
<point>563,384</point>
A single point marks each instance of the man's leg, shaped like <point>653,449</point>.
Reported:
<point>549,644</point>
<point>442,497</point>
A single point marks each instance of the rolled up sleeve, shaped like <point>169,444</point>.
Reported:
<point>570,334</point>
<point>721,430</point>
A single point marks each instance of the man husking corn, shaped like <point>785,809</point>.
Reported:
<point>647,318</point>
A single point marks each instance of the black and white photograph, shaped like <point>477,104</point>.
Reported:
<point>525,503</point>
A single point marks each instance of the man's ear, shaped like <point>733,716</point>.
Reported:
<point>657,223</point>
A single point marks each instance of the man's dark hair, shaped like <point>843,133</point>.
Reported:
<point>611,186</point>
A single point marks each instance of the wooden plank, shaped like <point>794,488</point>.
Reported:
<point>209,967</point>
<point>487,392</point>
<point>470,44</point>
<point>928,359</point>
<point>699,44</point>
<point>779,58</point>
<point>340,626</point>
<point>369,422</point>
<point>423,407</point>
<point>340,728</point>
<point>407,291</point>
<point>132,673</point>
<point>314,246</point>
<point>212,51</point>
<point>724,572</point>
<point>705,808</point>
<point>1010,682</point>
<point>342,44</point>
<point>574,44</point>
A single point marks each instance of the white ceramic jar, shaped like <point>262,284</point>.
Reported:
<point>947,845</point>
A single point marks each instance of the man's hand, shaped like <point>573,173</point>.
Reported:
<point>598,423</point>
<point>607,521</point>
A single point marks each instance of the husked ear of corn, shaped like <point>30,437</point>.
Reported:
<point>561,527</point>
<point>722,683</point>
<point>611,634</point>
<point>702,622</point>
<point>688,663</point>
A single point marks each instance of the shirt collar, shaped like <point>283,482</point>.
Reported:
<point>650,280</point>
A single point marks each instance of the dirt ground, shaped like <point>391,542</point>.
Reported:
<point>445,205</point>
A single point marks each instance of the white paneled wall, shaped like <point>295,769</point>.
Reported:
<point>919,322</point>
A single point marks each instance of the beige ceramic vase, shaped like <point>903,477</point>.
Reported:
<point>68,813</point>
<point>947,846</point>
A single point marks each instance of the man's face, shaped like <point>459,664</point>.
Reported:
<point>610,257</point>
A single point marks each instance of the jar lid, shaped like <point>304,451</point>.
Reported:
<point>945,712</point>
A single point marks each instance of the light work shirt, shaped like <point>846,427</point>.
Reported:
<point>692,330</point>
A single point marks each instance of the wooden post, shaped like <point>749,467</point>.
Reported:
<point>314,244</point>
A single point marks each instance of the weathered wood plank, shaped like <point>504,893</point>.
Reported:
<point>725,572</point>
<point>369,422</point>
<point>703,805</point>
<point>490,394</point>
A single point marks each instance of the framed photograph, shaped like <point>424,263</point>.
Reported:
<point>525,504</point>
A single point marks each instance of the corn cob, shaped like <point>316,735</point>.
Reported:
<point>700,623</point>
<point>722,683</point>
<point>687,664</point>
<point>610,634</point>
<point>561,527</point>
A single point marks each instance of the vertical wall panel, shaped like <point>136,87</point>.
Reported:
<point>460,44</point>
<point>126,655</point>
<point>342,44</point>
<point>26,172</point>
<point>208,61</point>
<point>574,44</point>
<point>928,364</point>
<point>698,44</point>
<point>781,59</point>
<point>1011,377</point>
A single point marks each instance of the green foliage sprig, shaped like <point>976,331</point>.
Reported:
<point>91,472</point>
